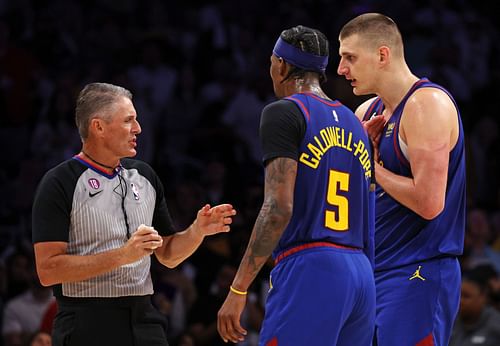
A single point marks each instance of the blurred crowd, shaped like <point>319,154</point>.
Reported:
<point>199,73</point>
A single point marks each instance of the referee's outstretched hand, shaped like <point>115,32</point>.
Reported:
<point>213,220</point>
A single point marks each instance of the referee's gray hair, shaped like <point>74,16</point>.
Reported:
<point>95,98</point>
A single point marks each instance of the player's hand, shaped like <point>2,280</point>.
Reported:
<point>142,243</point>
<point>228,318</point>
<point>374,128</point>
<point>214,220</point>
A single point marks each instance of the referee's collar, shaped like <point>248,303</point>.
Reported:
<point>96,168</point>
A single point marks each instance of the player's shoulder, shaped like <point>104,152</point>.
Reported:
<point>433,99</point>
<point>280,106</point>
<point>431,93</point>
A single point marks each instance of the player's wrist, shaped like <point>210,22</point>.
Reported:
<point>238,291</point>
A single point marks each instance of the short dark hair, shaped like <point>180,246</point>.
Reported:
<point>307,40</point>
<point>376,29</point>
<point>94,98</point>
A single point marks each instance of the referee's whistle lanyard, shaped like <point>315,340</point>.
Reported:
<point>123,194</point>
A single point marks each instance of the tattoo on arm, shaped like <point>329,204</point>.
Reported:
<point>275,212</point>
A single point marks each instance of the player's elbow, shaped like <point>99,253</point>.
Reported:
<point>276,214</point>
<point>283,214</point>
<point>287,211</point>
<point>431,209</point>
<point>283,220</point>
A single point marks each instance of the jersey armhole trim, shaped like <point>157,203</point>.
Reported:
<point>301,106</point>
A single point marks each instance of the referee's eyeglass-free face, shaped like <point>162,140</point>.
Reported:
<point>122,128</point>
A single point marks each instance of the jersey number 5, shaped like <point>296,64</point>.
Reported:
<point>337,220</point>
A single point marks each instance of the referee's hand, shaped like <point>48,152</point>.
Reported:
<point>142,243</point>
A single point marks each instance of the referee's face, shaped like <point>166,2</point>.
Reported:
<point>122,130</point>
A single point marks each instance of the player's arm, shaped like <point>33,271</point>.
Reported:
<point>54,265</point>
<point>282,129</point>
<point>272,220</point>
<point>273,217</point>
<point>429,126</point>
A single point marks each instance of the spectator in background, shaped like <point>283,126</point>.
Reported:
<point>23,314</point>
<point>478,238</point>
<point>18,272</point>
<point>477,323</point>
<point>483,143</point>
<point>493,280</point>
<point>174,295</point>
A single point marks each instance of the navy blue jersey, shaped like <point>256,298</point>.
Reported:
<point>332,201</point>
<point>401,236</point>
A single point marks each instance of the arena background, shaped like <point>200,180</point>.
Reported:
<point>199,72</point>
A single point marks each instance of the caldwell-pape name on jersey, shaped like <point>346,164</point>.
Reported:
<point>330,137</point>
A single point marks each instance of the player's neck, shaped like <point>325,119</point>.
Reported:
<point>396,88</point>
<point>306,85</point>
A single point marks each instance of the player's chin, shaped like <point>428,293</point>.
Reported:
<point>358,91</point>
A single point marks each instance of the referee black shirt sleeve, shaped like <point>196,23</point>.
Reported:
<point>52,204</point>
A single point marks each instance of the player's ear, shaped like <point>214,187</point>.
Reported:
<point>283,67</point>
<point>384,54</point>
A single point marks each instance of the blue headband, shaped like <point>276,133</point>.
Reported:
<point>296,57</point>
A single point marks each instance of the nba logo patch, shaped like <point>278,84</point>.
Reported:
<point>94,183</point>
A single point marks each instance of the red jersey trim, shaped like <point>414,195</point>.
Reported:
<point>302,247</point>
<point>301,105</point>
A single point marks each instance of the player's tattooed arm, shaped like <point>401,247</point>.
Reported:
<point>272,220</point>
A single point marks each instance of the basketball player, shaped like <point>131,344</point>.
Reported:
<point>316,218</point>
<point>420,171</point>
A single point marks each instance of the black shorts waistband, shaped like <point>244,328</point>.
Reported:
<point>103,301</point>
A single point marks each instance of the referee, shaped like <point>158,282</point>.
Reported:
<point>97,218</point>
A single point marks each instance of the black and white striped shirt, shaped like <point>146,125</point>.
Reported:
<point>93,212</point>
